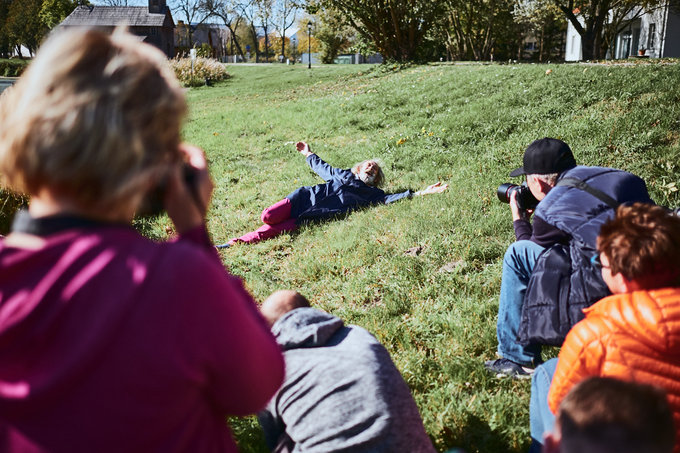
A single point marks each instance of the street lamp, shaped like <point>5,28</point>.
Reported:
<point>309,45</point>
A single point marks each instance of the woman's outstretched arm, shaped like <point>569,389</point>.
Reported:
<point>321,168</point>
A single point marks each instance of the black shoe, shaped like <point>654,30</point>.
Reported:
<point>506,367</point>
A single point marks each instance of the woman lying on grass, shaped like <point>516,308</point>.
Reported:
<point>343,191</point>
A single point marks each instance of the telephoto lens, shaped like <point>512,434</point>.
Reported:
<point>525,199</point>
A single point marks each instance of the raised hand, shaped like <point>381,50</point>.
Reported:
<point>303,148</point>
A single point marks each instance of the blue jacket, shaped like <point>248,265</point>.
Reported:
<point>342,192</point>
<point>564,281</point>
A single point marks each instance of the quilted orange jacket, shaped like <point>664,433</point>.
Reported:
<point>632,336</point>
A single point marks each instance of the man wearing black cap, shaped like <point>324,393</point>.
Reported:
<point>547,274</point>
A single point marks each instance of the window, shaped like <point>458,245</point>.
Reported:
<point>651,34</point>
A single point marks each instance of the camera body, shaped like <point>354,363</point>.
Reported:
<point>525,199</point>
<point>152,204</point>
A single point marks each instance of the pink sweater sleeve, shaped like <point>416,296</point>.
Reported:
<point>224,338</point>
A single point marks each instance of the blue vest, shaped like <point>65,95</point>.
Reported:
<point>563,281</point>
<point>581,214</point>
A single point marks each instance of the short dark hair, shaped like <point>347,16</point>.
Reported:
<point>604,414</point>
<point>643,244</point>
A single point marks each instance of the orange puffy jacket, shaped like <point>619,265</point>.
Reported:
<point>632,336</point>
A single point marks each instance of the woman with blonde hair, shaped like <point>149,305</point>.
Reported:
<point>110,342</point>
<point>343,191</point>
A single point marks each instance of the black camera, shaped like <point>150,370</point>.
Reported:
<point>152,204</point>
<point>525,199</point>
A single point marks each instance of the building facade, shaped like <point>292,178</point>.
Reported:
<point>153,23</point>
<point>653,34</point>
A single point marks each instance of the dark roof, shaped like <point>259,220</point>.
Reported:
<point>108,16</point>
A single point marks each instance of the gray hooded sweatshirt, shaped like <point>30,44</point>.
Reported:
<point>342,393</point>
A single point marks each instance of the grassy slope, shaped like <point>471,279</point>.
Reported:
<point>466,125</point>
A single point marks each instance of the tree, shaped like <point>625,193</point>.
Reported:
<point>306,42</point>
<point>397,27</point>
<point>546,22</point>
<point>53,12</point>
<point>192,12</point>
<point>227,12</point>
<point>250,12</point>
<point>243,33</point>
<point>23,24</point>
<point>6,43</point>
<point>263,13</point>
<point>333,33</point>
<point>594,25</point>
<point>284,15</point>
<point>480,29</point>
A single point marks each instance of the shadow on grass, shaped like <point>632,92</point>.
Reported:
<point>475,435</point>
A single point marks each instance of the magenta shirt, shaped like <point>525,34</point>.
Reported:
<point>110,342</point>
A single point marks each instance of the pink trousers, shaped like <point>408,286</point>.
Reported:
<point>276,219</point>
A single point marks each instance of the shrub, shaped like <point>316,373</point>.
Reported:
<point>204,69</point>
<point>10,203</point>
<point>12,68</point>
<point>204,50</point>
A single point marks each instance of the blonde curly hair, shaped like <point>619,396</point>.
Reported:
<point>95,119</point>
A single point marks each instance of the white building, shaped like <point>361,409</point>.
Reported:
<point>304,58</point>
<point>657,32</point>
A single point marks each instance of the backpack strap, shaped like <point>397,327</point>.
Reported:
<point>574,182</point>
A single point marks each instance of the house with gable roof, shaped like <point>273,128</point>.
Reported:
<point>153,24</point>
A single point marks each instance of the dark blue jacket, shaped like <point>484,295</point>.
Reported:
<point>342,192</point>
<point>564,281</point>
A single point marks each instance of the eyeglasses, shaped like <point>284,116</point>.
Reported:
<point>595,261</point>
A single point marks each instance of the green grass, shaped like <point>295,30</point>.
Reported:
<point>466,125</point>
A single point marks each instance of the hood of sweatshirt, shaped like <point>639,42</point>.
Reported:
<point>305,328</point>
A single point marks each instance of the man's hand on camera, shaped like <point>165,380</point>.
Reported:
<point>517,213</point>
<point>303,148</point>
<point>186,205</point>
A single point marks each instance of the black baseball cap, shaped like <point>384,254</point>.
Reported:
<point>546,156</point>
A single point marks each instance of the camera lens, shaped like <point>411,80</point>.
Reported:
<point>504,191</point>
<point>525,199</point>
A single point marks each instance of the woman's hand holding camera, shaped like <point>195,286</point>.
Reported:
<point>187,203</point>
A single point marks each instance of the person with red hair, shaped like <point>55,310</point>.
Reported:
<point>632,335</point>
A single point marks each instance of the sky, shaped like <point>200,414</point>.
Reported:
<point>172,4</point>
